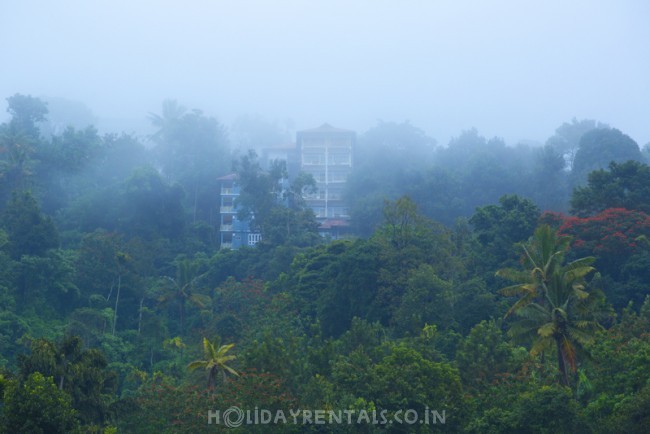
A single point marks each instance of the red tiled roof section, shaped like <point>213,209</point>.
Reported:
<point>334,223</point>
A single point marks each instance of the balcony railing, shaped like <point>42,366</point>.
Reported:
<point>226,245</point>
<point>226,228</point>
<point>227,209</point>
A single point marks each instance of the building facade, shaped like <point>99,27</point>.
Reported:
<point>327,154</point>
<point>324,152</point>
<point>234,233</point>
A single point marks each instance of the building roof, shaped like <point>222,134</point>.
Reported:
<point>228,177</point>
<point>325,128</point>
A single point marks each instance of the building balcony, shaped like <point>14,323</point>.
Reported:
<point>227,210</point>
<point>226,228</point>
<point>225,191</point>
<point>226,245</point>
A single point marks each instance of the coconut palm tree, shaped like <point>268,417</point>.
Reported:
<point>214,361</point>
<point>556,310</point>
<point>183,289</point>
<point>165,123</point>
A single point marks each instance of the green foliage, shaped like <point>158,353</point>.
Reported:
<point>556,310</point>
<point>214,361</point>
<point>484,169</point>
<point>405,380</point>
<point>37,406</point>
<point>483,355</point>
<point>73,149</point>
<point>499,227</point>
<point>274,206</point>
<point>151,207</point>
<point>385,157</point>
<point>333,283</point>
<point>405,241</point>
<point>192,149</point>
<point>81,373</point>
<point>63,164</point>
<point>47,281</point>
<point>548,409</point>
<point>166,407</point>
<point>618,399</point>
<point>623,185</point>
<point>549,180</point>
<point>598,148</point>
<point>400,319</point>
<point>566,139</point>
<point>280,354</point>
<point>241,306</point>
<point>28,230</point>
<point>26,111</point>
<point>19,144</point>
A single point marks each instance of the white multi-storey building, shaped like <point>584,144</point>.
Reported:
<point>327,154</point>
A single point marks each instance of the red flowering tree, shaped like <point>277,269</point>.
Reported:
<point>612,236</point>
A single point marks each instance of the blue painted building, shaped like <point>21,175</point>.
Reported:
<point>234,233</point>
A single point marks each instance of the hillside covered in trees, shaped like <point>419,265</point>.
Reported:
<point>506,287</point>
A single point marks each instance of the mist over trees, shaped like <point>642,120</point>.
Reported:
<point>505,283</point>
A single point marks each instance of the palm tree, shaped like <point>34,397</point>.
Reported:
<point>215,360</point>
<point>183,289</point>
<point>172,112</point>
<point>556,310</point>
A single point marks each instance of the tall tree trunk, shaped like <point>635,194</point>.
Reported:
<point>182,315</point>
<point>564,378</point>
<point>196,195</point>
<point>211,374</point>
<point>117,299</point>
<point>140,315</point>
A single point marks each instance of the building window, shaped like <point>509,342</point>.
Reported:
<point>227,222</point>
<point>254,239</point>
<point>335,194</point>
<point>338,212</point>
<point>339,159</point>
<point>319,211</point>
<point>316,195</point>
<point>313,159</point>
<point>338,176</point>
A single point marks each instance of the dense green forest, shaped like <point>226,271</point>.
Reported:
<point>504,287</point>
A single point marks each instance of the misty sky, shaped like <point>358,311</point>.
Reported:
<point>516,69</point>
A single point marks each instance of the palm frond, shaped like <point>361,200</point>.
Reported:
<point>197,364</point>
<point>547,330</point>
<point>540,346</point>
<point>577,273</point>
<point>513,275</point>
<point>231,370</point>
<point>520,289</point>
<point>208,349</point>
<point>555,310</point>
